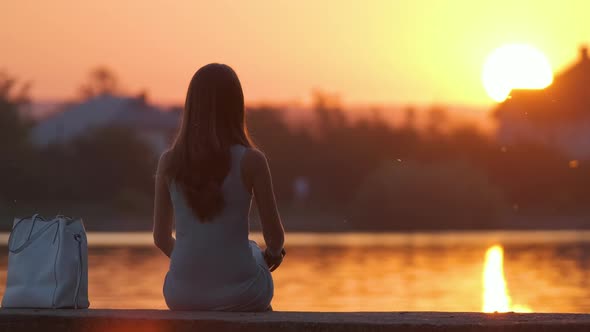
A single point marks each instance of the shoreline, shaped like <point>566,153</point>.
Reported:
<point>367,239</point>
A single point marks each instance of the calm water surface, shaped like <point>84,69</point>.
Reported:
<point>544,271</point>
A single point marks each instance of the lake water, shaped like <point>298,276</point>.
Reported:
<point>542,271</point>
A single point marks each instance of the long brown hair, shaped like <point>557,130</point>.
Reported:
<point>213,120</point>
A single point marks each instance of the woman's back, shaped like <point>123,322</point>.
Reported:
<point>213,265</point>
<point>205,184</point>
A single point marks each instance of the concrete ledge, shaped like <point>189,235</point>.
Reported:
<point>159,320</point>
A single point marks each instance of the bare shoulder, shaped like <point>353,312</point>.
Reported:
<point>164,161</point>
<point>254,161</point>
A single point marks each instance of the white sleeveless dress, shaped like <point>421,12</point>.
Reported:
<point>213,265</point>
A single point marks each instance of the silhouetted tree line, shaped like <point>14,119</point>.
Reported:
<point>362,174</point>
<point>105,174</point>
<point>370,175</point>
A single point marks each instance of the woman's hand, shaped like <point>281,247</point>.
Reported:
<point>272,260</point>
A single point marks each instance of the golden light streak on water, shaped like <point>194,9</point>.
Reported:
<point>496,297</point>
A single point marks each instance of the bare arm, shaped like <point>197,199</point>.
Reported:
<point>258,177</point>
<point>163,215</point>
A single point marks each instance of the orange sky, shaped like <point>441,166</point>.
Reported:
<point>387,51</point>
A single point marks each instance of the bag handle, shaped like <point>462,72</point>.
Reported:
<point>31,237</point>
<point>34,217</point>
<point>32,225</point>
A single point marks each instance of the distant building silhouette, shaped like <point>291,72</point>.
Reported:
<point>150,122</point>
<point>558,115</point>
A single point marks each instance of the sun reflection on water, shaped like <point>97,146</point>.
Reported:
<point>495,291</point>
<point>348,272</point>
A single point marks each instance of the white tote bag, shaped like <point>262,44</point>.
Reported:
<point>47,264</point>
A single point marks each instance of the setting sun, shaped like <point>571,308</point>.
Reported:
<point>515,66</point>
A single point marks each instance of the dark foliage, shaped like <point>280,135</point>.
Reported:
<point>362,175</point>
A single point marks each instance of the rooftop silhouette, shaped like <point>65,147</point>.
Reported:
<point>558,115</point>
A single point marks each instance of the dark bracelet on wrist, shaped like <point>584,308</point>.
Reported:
<point>269,253</point>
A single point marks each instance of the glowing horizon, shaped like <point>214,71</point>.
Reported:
<point>382,52</point>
